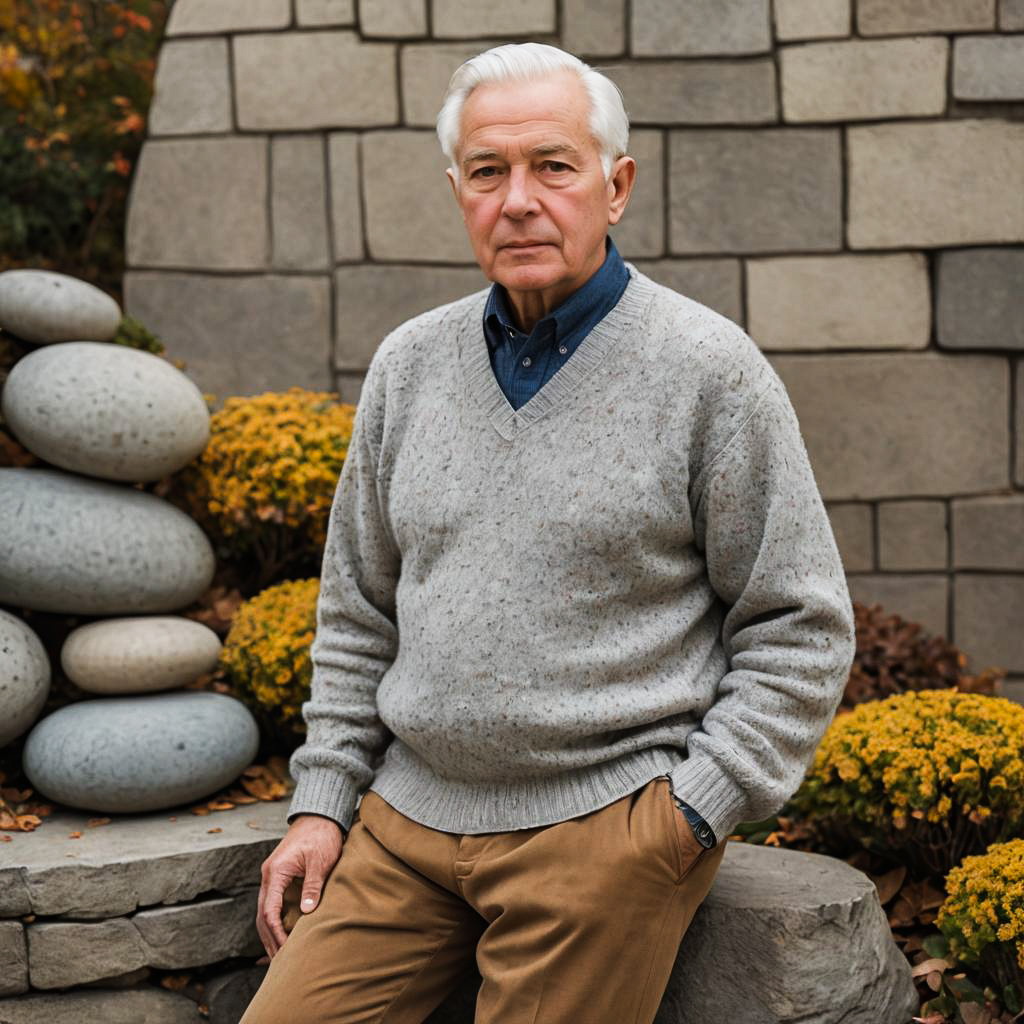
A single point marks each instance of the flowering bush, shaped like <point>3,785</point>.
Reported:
<point>76,78</point>
<point>266,654</point>
<point>983,916</point>
<point>927,776</point>
<point>263,486</point>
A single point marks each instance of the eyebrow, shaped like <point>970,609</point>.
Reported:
<point>543,149</point>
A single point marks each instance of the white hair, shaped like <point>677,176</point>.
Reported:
<point>527,62</point>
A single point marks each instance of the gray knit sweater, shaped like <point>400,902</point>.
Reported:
<point>527,614</point>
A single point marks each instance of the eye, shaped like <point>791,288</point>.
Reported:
<point>557,166</point>
<point>484,172</point>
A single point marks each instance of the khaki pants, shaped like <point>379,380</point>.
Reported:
<point>577,922</point>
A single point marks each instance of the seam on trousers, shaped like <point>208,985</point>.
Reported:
<point>677,893</point>
<point>426,964</point>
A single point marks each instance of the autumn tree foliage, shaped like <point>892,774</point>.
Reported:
<point>76,79</point>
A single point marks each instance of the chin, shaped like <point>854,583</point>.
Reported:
<point>528,278</point>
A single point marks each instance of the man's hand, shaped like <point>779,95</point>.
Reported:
<point>309,850</point>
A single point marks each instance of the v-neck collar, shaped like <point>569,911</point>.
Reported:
<point>475,360</point>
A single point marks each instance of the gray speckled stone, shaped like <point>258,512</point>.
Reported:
<point>140,654</point>
<point>80,546</point>
<point>24,677</point>
<point>105,410</point>
<point>130,754</point>
<point>43,306</point>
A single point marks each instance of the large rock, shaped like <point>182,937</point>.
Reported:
<point>24,677</point>
<point>43,306</point>
<point>782,936</point>
<point>139,654</point>
<point>135,861</point>
<point>13,959</point>
<point>134,1006</point>
<point>80,546</point>
<point>106,410</point>
<point>128,754</point>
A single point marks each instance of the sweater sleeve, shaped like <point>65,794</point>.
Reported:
<point>788,630</point>
<point>356,636</point>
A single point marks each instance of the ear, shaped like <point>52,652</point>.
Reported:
<point>620,186</point>
<point>451,181</point>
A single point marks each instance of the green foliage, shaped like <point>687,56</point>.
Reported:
<point>132,333</point>
<point>76,79</point>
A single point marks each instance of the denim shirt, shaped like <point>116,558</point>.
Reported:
<point>524,363</point>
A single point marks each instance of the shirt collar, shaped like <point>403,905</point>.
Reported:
<point>572,312</point>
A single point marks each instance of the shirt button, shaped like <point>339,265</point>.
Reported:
<point>562,349</point>
<point>511,333</point>
<point>527,361</point>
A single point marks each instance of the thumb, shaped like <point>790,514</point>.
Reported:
<point>311,886</point>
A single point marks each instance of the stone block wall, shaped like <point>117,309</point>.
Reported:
<point>843,178</point>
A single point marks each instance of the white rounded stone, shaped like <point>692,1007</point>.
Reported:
<point>24,677</point>
<point>140,654</point>
<point>105,410</point>
<point>43,306</point>
<point>80,546</point>
<point>135,754</point>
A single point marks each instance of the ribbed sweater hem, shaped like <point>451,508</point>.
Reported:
<point>408,783</point>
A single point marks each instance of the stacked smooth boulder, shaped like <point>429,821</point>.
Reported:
<point>76,538</point>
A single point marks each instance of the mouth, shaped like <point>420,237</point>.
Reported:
<point>525,247</point>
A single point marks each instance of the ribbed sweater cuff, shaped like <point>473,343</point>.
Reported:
<point>703,785</point>
<point>326,792</point>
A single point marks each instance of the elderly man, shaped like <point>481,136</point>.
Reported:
<point>581,611</point>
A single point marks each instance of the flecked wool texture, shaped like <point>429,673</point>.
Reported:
<point>527,614</point>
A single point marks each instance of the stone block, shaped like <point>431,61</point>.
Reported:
<point>1011,15</point>
<point>980,302</point>
<point>988,532</point>
<point>201,17</point>
<point>811,19</point>
<point>988,68</point>
<point>594,28</point>
<point>325,12</point>
<point>693,28</point>
<point>641,232</point>
<point>135,861</point>
<point>199,933</point>
<point>828,302</point>
<point>426,69</point>
<point>735,191</point>
<point>346,209</point>
<point>296,80</point>
<point>854,534</point>
<point>13,959</point>
<point>411,213</point>
<point>200,203</point>
<point>68,953</point>
<point>192,88</point>
<point>906,183</point>
<point>878,426</point>
<point>133,1006</point>
<point>370,301</point>
<point>895,17</point>
<point>1012,688</point>
<point>864,79</point>
<point>210,322</point>
<point>393,19</point>
<point>917,598</point>
<point>349,386</point>
<point>228,995</point>
<point>788,917</point>
<point>715,283</point>
<point>697,92</point>
<point>912,535</point>
<point>465,19</point>
<point>1019,425</point>
<point>298,203</point>
<point>986,620</point>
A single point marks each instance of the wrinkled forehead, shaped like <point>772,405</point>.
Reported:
<point>553,110</point>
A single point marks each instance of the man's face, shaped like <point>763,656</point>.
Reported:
<point>531,188</point>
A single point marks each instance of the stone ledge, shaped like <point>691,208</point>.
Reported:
<point>135,861</point>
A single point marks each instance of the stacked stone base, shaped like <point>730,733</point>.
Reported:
<point>88,926</point>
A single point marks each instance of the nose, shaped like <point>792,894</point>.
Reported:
<point>520,196</point>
